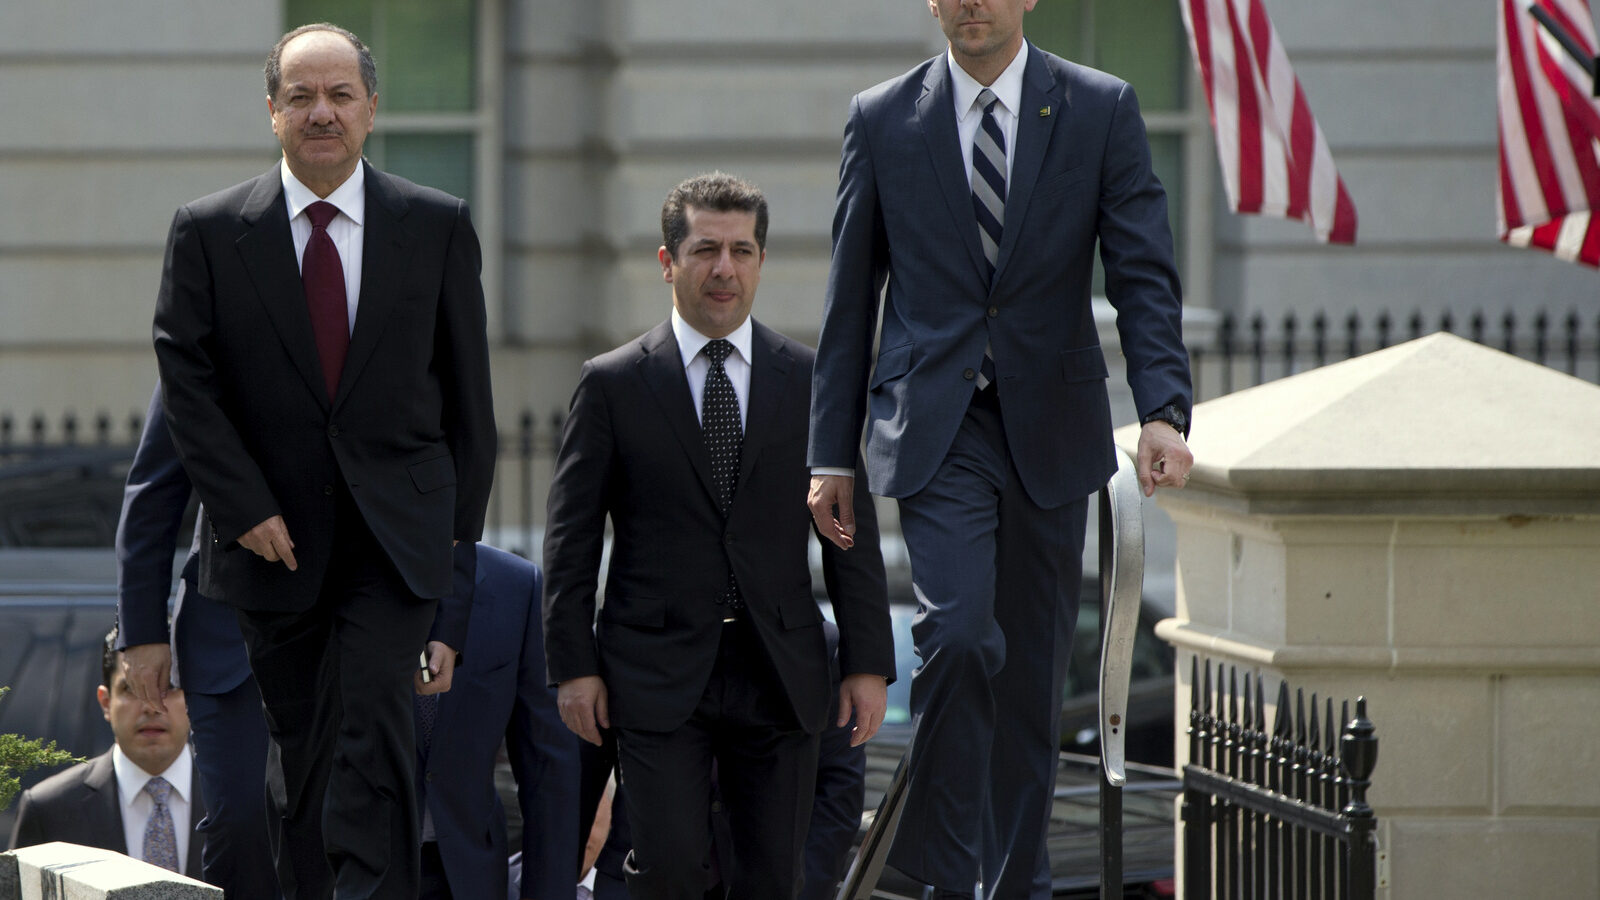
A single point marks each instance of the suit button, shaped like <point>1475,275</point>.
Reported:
<point>333,431</point>
<point>968,374</point>
<point>428,778</point>
<point>994,311</point>
<point>727,539</point>
<point>327,490</point>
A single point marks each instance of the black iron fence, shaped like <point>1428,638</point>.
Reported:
<point>1280,813</point>
<point>1243,352</point>
<point>1252,350</point>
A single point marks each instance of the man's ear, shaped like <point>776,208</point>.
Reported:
<point>104,696</point>
<point>666,263</point>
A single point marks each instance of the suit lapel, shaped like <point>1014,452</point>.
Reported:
<point>661,367</point>
<point>769,386</point>
<point>103,817</point>
<point>385,248</point>
<point>936,116</point>
<point>267,250</point>
<point>1040,89</point>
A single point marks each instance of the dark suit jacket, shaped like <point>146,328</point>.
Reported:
<point>410,429</point>
<point>207,649</point>
<point>80,806</point>
<point>632,449</point>
<point>1080,172</point>
<point>500,693</point>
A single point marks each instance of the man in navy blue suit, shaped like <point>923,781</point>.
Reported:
<point>977,186</point>
<point>230,735</point>
<point>499,692</point>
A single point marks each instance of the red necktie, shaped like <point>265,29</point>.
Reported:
<point>323,276</point>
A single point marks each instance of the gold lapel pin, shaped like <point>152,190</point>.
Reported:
<point>1044,111</point>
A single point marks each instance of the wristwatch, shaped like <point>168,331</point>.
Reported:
<point>1171,415</point>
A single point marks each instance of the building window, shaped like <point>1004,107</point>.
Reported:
<point>437,124</point>
<point>1143,42</point>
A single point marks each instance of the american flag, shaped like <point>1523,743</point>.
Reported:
<point>1549,193</point>
<point>1275,160</point>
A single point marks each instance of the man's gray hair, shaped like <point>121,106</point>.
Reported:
<point>713,192</point>
<point>274,67</point>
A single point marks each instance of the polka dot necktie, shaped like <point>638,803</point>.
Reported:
<point>724,437</point>
<point>160,840</point>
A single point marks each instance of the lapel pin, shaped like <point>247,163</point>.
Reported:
<point>1044,111</point>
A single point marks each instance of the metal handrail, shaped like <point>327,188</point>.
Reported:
<point>1121,547</point>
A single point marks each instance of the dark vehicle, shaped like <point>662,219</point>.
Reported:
<point>62,496</point>
<point>55,609</point>
<point>1074,836</point>
<point>1150,703</point>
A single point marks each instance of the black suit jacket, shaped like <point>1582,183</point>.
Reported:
<point>632,450</point>
<point>80,806</point>
<point>410,429</point>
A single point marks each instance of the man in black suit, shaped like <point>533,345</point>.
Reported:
<point>324,366</point>
<point>139,798</point>
<point>974,191</point>
<point>709,645</point>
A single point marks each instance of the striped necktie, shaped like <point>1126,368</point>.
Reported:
<point>989,200</point>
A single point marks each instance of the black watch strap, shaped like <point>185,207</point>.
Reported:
<point>1171,415</point>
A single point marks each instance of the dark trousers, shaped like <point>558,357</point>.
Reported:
<point>230,755</point>
<point>336,684</point>
<point>766,770</point>
<point>997,581</point>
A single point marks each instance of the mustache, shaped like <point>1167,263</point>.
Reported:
<point>324,131</point>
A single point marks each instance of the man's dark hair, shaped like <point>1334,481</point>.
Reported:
<point>109,664</point>
<point>713,192</point>
<point>274,68</point>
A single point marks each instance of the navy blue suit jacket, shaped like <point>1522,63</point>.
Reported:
<point>207,649</point>
<point>1080,174</point>
<point>500,692</point>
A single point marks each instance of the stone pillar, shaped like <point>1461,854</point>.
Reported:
<point>74,872</point>
<point>1420,526</point>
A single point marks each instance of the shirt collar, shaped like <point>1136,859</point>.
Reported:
<point>350,197</point>
<point>1007,88</point>
<point>691,342</point>
<point>131,778</point>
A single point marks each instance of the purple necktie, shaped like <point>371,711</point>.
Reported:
<point>323,276</point>
<point>160,838</point>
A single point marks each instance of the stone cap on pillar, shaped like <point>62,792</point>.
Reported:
<point>1435,426</point>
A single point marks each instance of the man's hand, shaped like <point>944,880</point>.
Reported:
<point>442,663</point>
<point>270,541</point>
<point>582,702</point>
<point>1164,458</point>
<point>867,697</point>
<point>148,668</point>
<point>831,502</point>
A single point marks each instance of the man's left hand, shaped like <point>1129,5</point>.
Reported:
<point>442,663</point>
<point>1164,458</point>
<point>867,697</point>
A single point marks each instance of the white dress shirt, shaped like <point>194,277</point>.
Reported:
<point>964,90</point>
<point>695,364</point>
<point>345,229</point>
<point>138,805</point>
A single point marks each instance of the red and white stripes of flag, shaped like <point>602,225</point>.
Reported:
<point>1275,160</point>
<point>1549,192</point>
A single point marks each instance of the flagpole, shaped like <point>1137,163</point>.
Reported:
<point>1569,43</point>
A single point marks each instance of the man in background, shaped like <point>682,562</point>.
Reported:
<point>139,798</point>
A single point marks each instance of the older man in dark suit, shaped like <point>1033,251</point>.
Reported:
<point>324,365</point>
<point>139,798</point>
<point>709,644</point>
<point>978,186</point>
